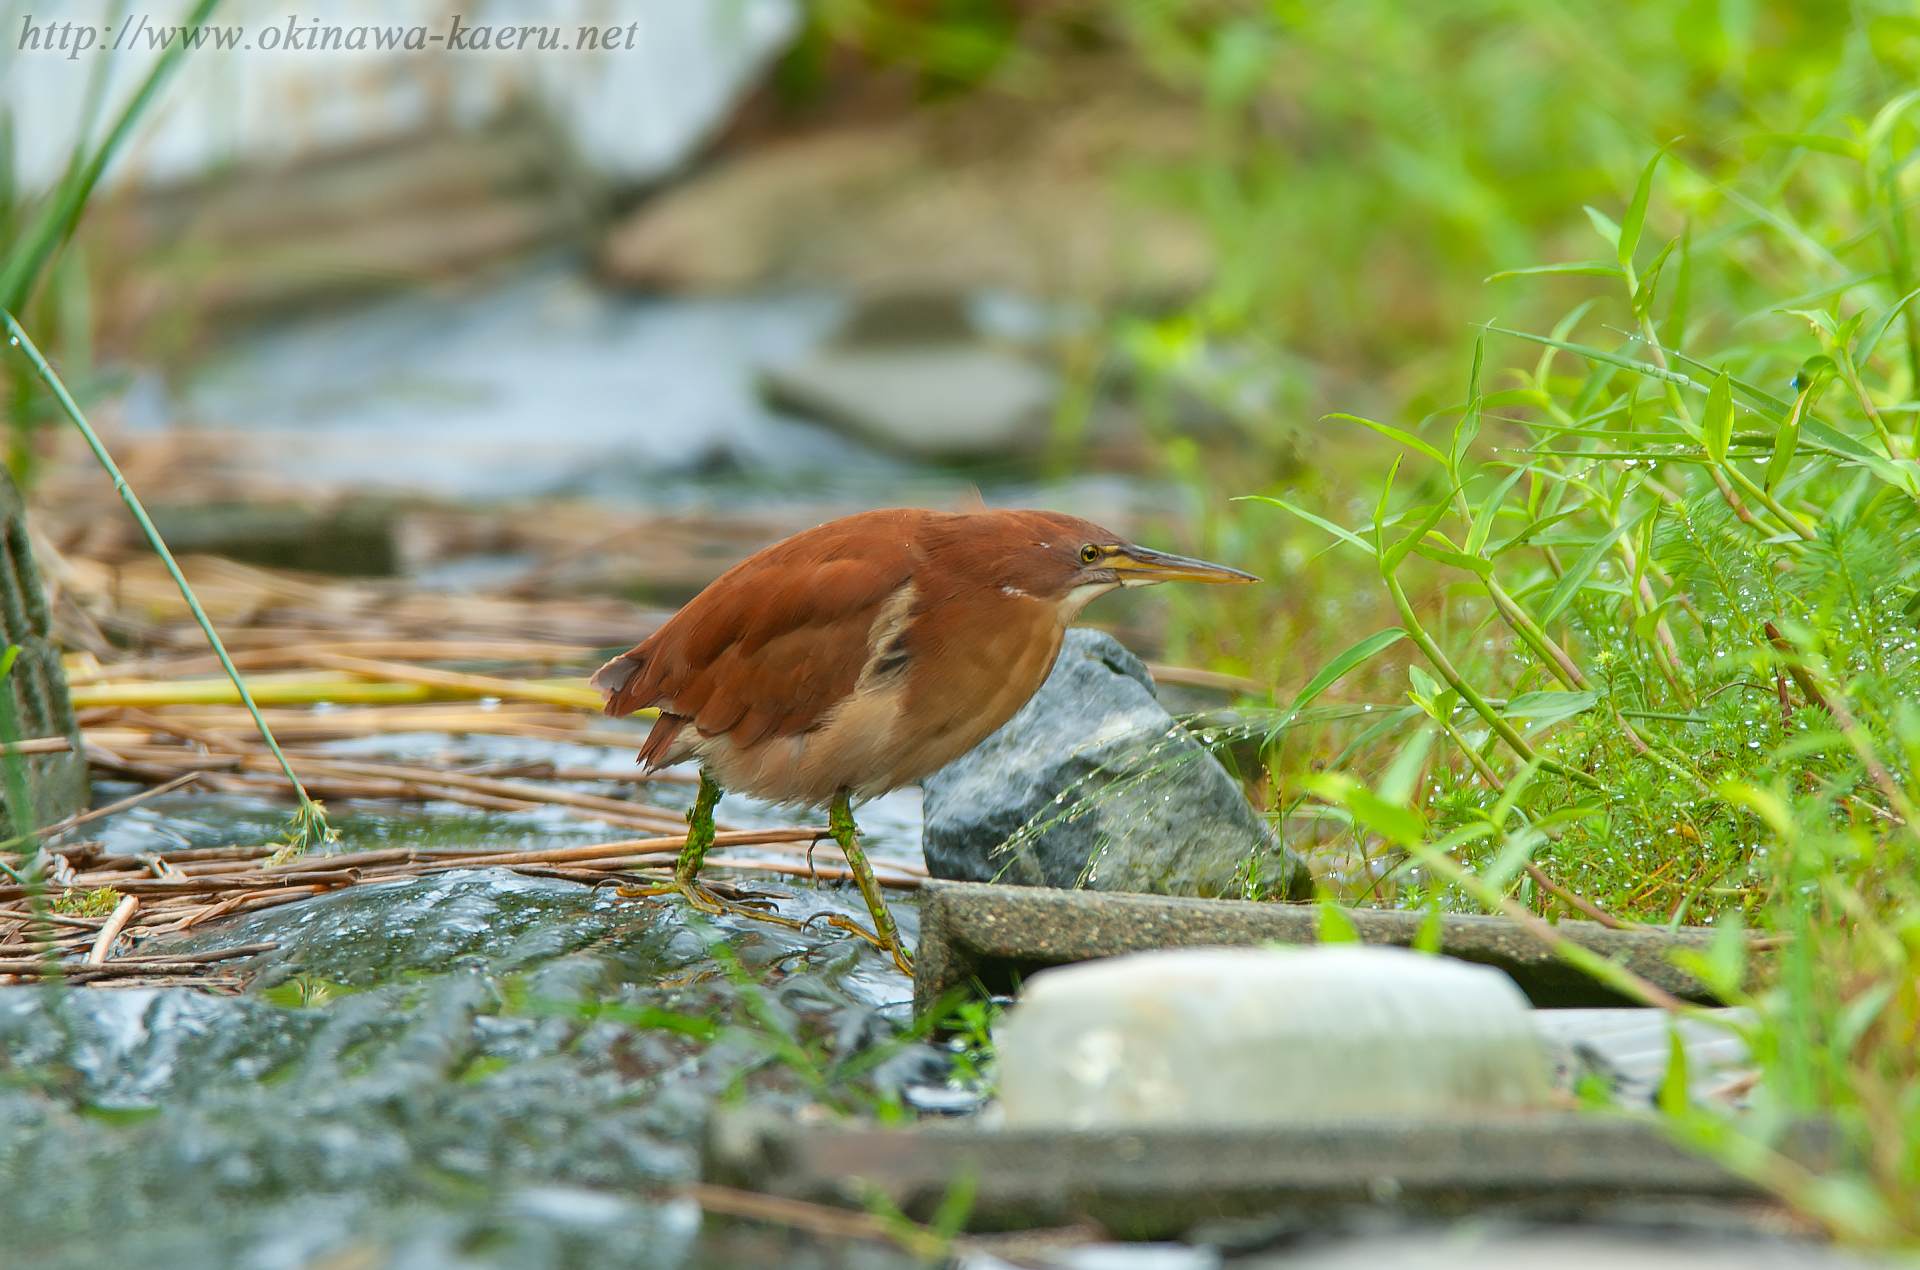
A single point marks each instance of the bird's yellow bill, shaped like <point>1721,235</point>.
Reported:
<point>1139,566</point>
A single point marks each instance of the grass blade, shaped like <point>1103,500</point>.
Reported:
<point>1404,438</point>
<point>1483,523</point>
<point>1586,268</point>
<point>56,222</point>
<point>1579,571</point>
<point>1636,217</point>
<point>1647,369</point>
<point>1346,535</point>
<point>1716,426</point>
<point>1365,650</point>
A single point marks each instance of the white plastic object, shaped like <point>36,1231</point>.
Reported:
<point>1233,1036</point>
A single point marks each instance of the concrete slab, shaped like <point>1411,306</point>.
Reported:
<point>994,936</point>
<point>1159,1183</point>
<point>1496,1248</point>
<point>1459,1246</point>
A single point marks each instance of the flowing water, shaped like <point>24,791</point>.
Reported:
<point>472,1068</point>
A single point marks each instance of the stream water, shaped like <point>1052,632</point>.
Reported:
<point>544,385</point>
<point>473,1068</point>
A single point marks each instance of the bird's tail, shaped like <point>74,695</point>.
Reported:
<point>616,682</point>
<point>655,750</point>
<point>612,680</point>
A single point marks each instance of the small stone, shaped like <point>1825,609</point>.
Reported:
<point>1112,795</point>
<point>1241,1036</point>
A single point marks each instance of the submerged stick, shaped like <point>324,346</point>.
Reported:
<point>73,822</point>
<point>309,822</point>
<point>103,943</point>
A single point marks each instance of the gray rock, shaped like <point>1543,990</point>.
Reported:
<point>1093,785</point>
<point>938,401</point>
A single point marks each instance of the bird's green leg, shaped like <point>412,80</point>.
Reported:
<point>686,870</point>
<point>847,834</point>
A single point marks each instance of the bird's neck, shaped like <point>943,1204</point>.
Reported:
<point>1077,599</point>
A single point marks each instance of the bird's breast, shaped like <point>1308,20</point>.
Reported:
<point>973,672</point>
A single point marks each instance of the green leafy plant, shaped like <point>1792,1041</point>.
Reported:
<point>306,992</point>
<point>1678,664</point>
<point>932,1243</point>
<point>971,1022</point>
<point>95,903</point>
<point>34,240</point>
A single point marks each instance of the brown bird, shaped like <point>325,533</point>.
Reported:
<point>861,655</point>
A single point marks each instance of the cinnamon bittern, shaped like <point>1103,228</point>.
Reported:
<point>859,656</point>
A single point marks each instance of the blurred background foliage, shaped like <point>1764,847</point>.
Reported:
<point>1366,166</point>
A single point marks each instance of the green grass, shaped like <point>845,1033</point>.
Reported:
<point>1669,656</point>
<point>1682,674</point>
<point>36,238</point>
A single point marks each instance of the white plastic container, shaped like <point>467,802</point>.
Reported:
<point>1232,1036</point>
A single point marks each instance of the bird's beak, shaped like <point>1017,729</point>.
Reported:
<point>1142,566</point>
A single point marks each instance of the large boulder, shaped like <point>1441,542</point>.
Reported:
<point>1093,785</point>
<point>989,190</point>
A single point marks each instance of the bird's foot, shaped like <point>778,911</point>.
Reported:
<point>709,900</point>
<point>840,921</point>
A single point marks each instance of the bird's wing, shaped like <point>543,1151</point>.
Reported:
<point>774,643</point>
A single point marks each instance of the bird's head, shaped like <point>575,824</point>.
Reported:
<point>1066,561</point>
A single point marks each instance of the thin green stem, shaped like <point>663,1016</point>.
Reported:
<point>1772,504</point>
<point>309,823</point>
<point>1679,407</point>
<point>1501,727</point>
<point>1863,747</point>
<point>1480,765</point>
<point>1850,374</point>
<point>1614,975</point>
<point>1529,630</point>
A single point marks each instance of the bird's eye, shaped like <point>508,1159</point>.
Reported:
<point>1089,553</point>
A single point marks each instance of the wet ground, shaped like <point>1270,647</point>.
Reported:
<point>475,1068</point>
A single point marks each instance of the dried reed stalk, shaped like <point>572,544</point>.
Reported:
<point>212,882</point>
